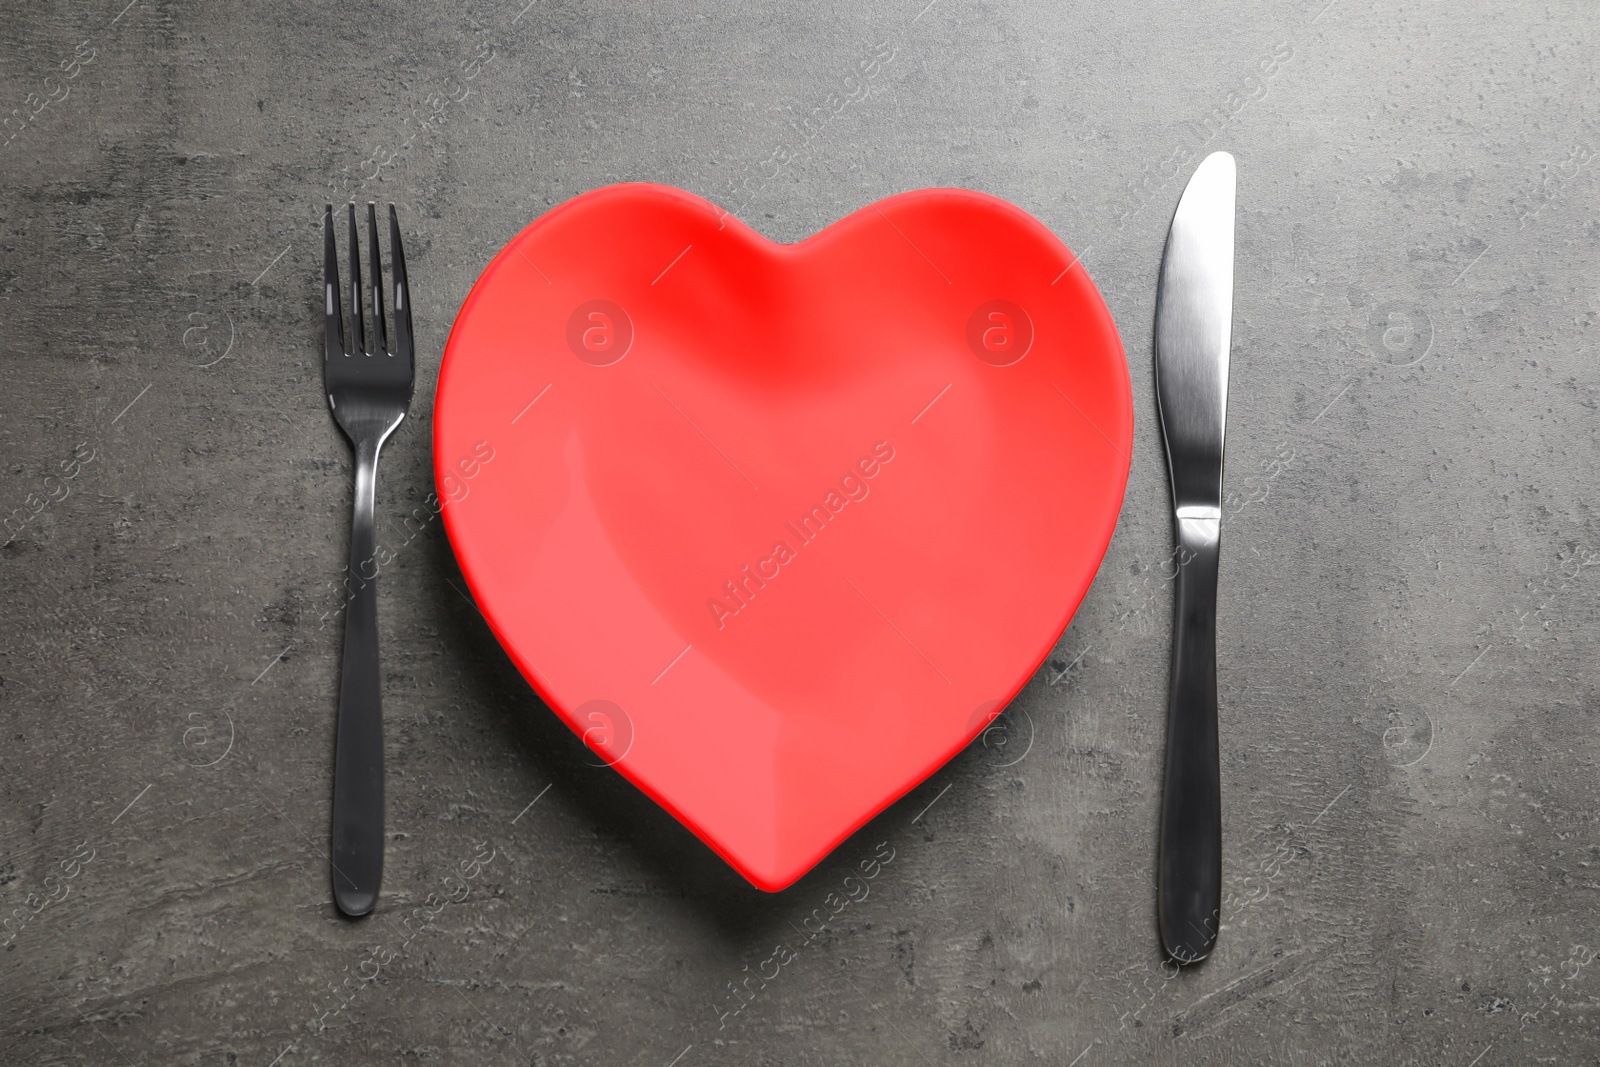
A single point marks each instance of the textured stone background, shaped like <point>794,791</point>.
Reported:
<point>1408,581</point>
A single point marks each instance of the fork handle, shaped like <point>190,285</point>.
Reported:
<point>358,754</point>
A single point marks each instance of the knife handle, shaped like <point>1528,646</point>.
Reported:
<point>1190,888</point>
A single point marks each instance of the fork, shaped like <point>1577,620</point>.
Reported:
<point>369,390</point>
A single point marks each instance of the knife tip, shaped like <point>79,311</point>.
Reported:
<point>1220,161</point>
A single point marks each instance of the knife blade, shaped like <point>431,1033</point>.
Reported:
<point>1194,316</point>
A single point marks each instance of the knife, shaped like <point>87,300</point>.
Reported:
<point>1194,313</point>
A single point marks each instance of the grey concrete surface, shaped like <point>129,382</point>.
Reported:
<point>1408,690</point>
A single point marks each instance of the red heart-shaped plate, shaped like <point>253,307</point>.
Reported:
<point>779,528</point>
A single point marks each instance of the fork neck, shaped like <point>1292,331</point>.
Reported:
<point>367,450</point>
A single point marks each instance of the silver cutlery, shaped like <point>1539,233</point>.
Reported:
<point>1194,316</point>
<point>369,389</point>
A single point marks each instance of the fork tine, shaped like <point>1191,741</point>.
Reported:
<point>333,316</point>
<point>357,326</point>
<point>380,343</point>
<point>402,294</point>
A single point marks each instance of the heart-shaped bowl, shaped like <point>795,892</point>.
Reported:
<point>778,528</point>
